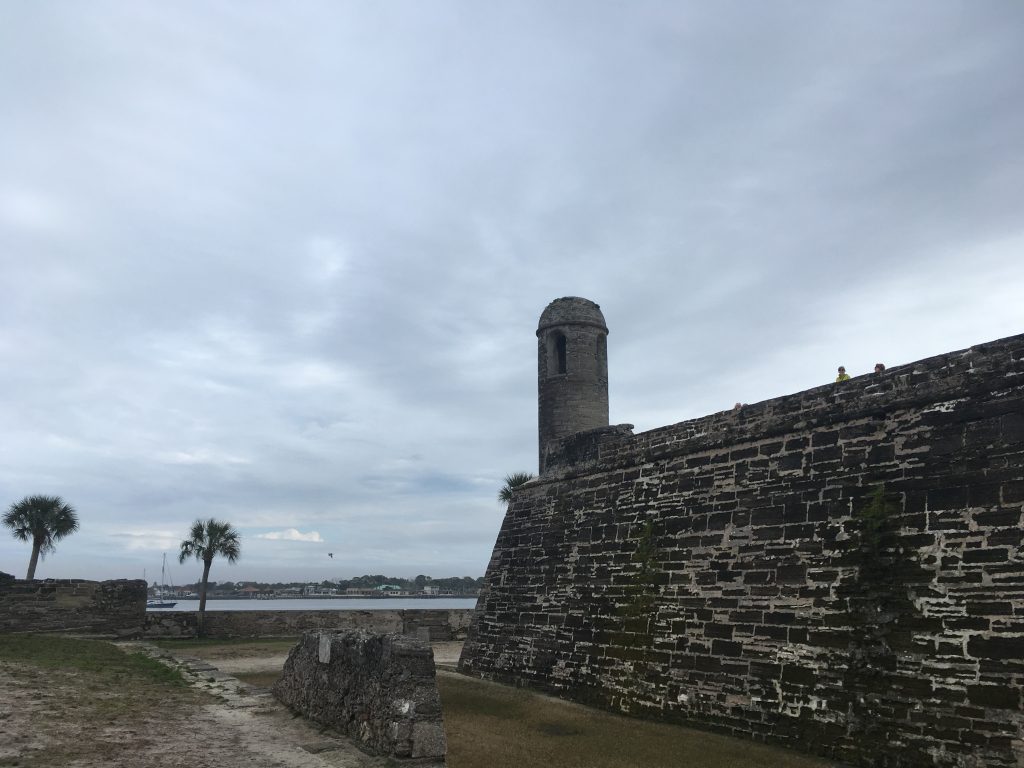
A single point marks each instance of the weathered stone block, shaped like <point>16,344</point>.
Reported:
<point>994,647</point>
<point>379,690</point>
<point>997,696</point>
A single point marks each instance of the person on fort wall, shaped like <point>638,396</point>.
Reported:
<point>844,376</point>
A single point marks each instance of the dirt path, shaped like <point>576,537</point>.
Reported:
<point>270,734</point>
<point>55,717</point>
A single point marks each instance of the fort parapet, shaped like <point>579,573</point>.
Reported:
<point>839,570</point>
<point>66,605</point>
<point>429,624</point>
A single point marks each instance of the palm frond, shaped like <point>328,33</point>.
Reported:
<point>210,538</point>
<point>46,519</point>
<point>513,481</point>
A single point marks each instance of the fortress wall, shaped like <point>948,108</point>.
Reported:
<point>426,623</point>
<point>741,572</point>
<point>58,605</point>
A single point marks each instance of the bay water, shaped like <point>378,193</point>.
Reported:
<point>326,604</point>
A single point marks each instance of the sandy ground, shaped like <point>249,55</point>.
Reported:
<point>245,660</point>
<point>57,718</point>
<point>233,726</point>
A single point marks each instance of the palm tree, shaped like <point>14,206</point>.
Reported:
<point>512,482</point>
<point>207,539</point>
<point>42,520</point>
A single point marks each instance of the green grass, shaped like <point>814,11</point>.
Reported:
<point>97,658</point>
<point>494,726</point>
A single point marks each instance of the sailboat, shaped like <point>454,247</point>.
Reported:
<point>159,599</point>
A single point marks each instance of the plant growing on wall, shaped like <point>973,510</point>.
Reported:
<point>881,612</point>
<point>644,559</point>
<point>877,595</point>
<point>873,519</point>
<point>43,520</point>
<point>207,540</point>
<point>642,591</point>
<point>512,481</point>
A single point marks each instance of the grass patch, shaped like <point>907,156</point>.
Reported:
<point>259,679</point>
<point>500,727</point>
<point>98,659</point>
<point>78,701</point>
<point>249,646</point>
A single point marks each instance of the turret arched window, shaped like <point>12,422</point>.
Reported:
<point>557,354</point>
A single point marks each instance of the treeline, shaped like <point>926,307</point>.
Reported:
<point>452,583</point>
<point>455,584</point>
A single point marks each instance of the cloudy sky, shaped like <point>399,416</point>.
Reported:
<point>282,264</point>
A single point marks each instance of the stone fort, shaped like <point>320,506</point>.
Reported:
<point>839,571</point>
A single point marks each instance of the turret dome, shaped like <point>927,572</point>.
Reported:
<point>571,310</point>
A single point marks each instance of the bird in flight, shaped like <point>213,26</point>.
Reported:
<point>330,555</point>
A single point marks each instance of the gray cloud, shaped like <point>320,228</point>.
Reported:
<point>285,268</point>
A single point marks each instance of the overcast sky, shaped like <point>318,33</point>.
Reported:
<point>282,263</point>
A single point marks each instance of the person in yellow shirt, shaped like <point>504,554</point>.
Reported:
<point>843,375</point>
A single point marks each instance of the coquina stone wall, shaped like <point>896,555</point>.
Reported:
<point>58,605</point>
<point>427,624</point>
<point>838,570</point>
<point>378,689</point>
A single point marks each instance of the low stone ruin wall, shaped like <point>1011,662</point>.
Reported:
<point>61,605</point>
<point>426,624</point>
<point>118,608</point>
<point>380,690</point>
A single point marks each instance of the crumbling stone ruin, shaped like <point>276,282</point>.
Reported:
<point>49,605</point>
<point>839,570</point>
<point>380,690</point>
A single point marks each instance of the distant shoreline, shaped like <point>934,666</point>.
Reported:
<point>320,603</point>
<point>382,596</point>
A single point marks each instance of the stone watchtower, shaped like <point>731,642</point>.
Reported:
<point>572,370</point>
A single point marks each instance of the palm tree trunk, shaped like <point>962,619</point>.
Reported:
<point>34,560</point>
<point>202,596</point>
